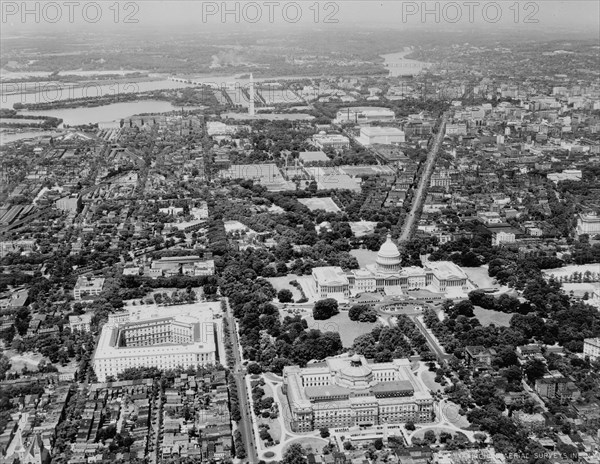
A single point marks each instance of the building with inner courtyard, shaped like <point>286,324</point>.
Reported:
<point>346,391</point>
<point>165,338</point>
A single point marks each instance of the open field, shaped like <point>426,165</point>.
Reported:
<point>451,412</point>
<point>479,276</point>
<point>362,228</point>
<point>70,368</point>
<point>340,323</point>
<point>488,316</point>
<point>274,426</point>
<point>28,359</point>
<point>307,282</point>
<point>149,298</point>
<point>274,96</point>
<point>364,256</point>
<point>593,270</point>
<point>429,381</point>
<point>438,430</point>
<point>280,283</point>
<point>580,289</point>
<point>333,178</point>
<point>314,443</point>
<point>325,204</point>
<point>269,116</point>
<point>234,226</point>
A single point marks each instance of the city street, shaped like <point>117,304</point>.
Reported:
<point>433,344</point>
<point>245,424</point>
<point>419,198</point>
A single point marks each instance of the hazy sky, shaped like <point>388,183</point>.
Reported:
<point>265,16</point>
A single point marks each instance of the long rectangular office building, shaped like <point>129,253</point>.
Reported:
<point>183,336</point>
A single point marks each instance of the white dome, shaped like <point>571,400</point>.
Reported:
<point>388,249</point>
<point>388,257</point>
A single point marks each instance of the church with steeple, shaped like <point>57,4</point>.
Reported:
<point>387,276</point>
<point>32,451</point>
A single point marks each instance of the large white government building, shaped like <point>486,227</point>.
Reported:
<point>389,277</point>
<point>364,114</point>
<point>591,348</point>
<point>588,224</point>
<point>370,135</point>
<point>346,391</point>
<point>165,338</point>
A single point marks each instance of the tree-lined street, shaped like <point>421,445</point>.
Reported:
<point>419,197</point>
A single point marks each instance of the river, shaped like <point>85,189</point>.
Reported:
<point>8,137</point>
<point>399,66</point>
<point>28,74</point>
<point>46,92</point>
<point>105,115</point>
<point>50,91</point>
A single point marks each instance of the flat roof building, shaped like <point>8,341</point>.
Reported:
<point>330,281</point>
<point>81,323</point>
<point>333,178</point>
<point>335,141</point>
<point>381,135</point>
<point>567,174</point>
<point>588,224</point>
<point>500,237</point>
<point>364,114</point>
<point>591,348</point>
<point>346,391</point>
<point>165,338</point>
<point>87,286</point>
<point>192,265</point>
<point>266,174</point>
<point>313,157</point>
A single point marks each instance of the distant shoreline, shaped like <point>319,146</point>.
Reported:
<point>399,66</point>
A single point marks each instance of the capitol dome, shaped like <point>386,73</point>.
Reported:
<point>388,257</point>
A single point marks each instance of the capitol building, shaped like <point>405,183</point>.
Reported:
<point>387,276</point>
<point>346,391</point>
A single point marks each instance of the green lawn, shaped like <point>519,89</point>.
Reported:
<point>284,409</point>
<point>438,430</point>
<point>279,283</point>
<point>28,359</point>
<point>488,316</point>
<point>310,444</point>
<point>324,203</point>
<point>340,323</point>
<point>274,427</point>
<point>364,256</point>
<point>479,276</point>
<point>429,381</point>
<point>451,412</point>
